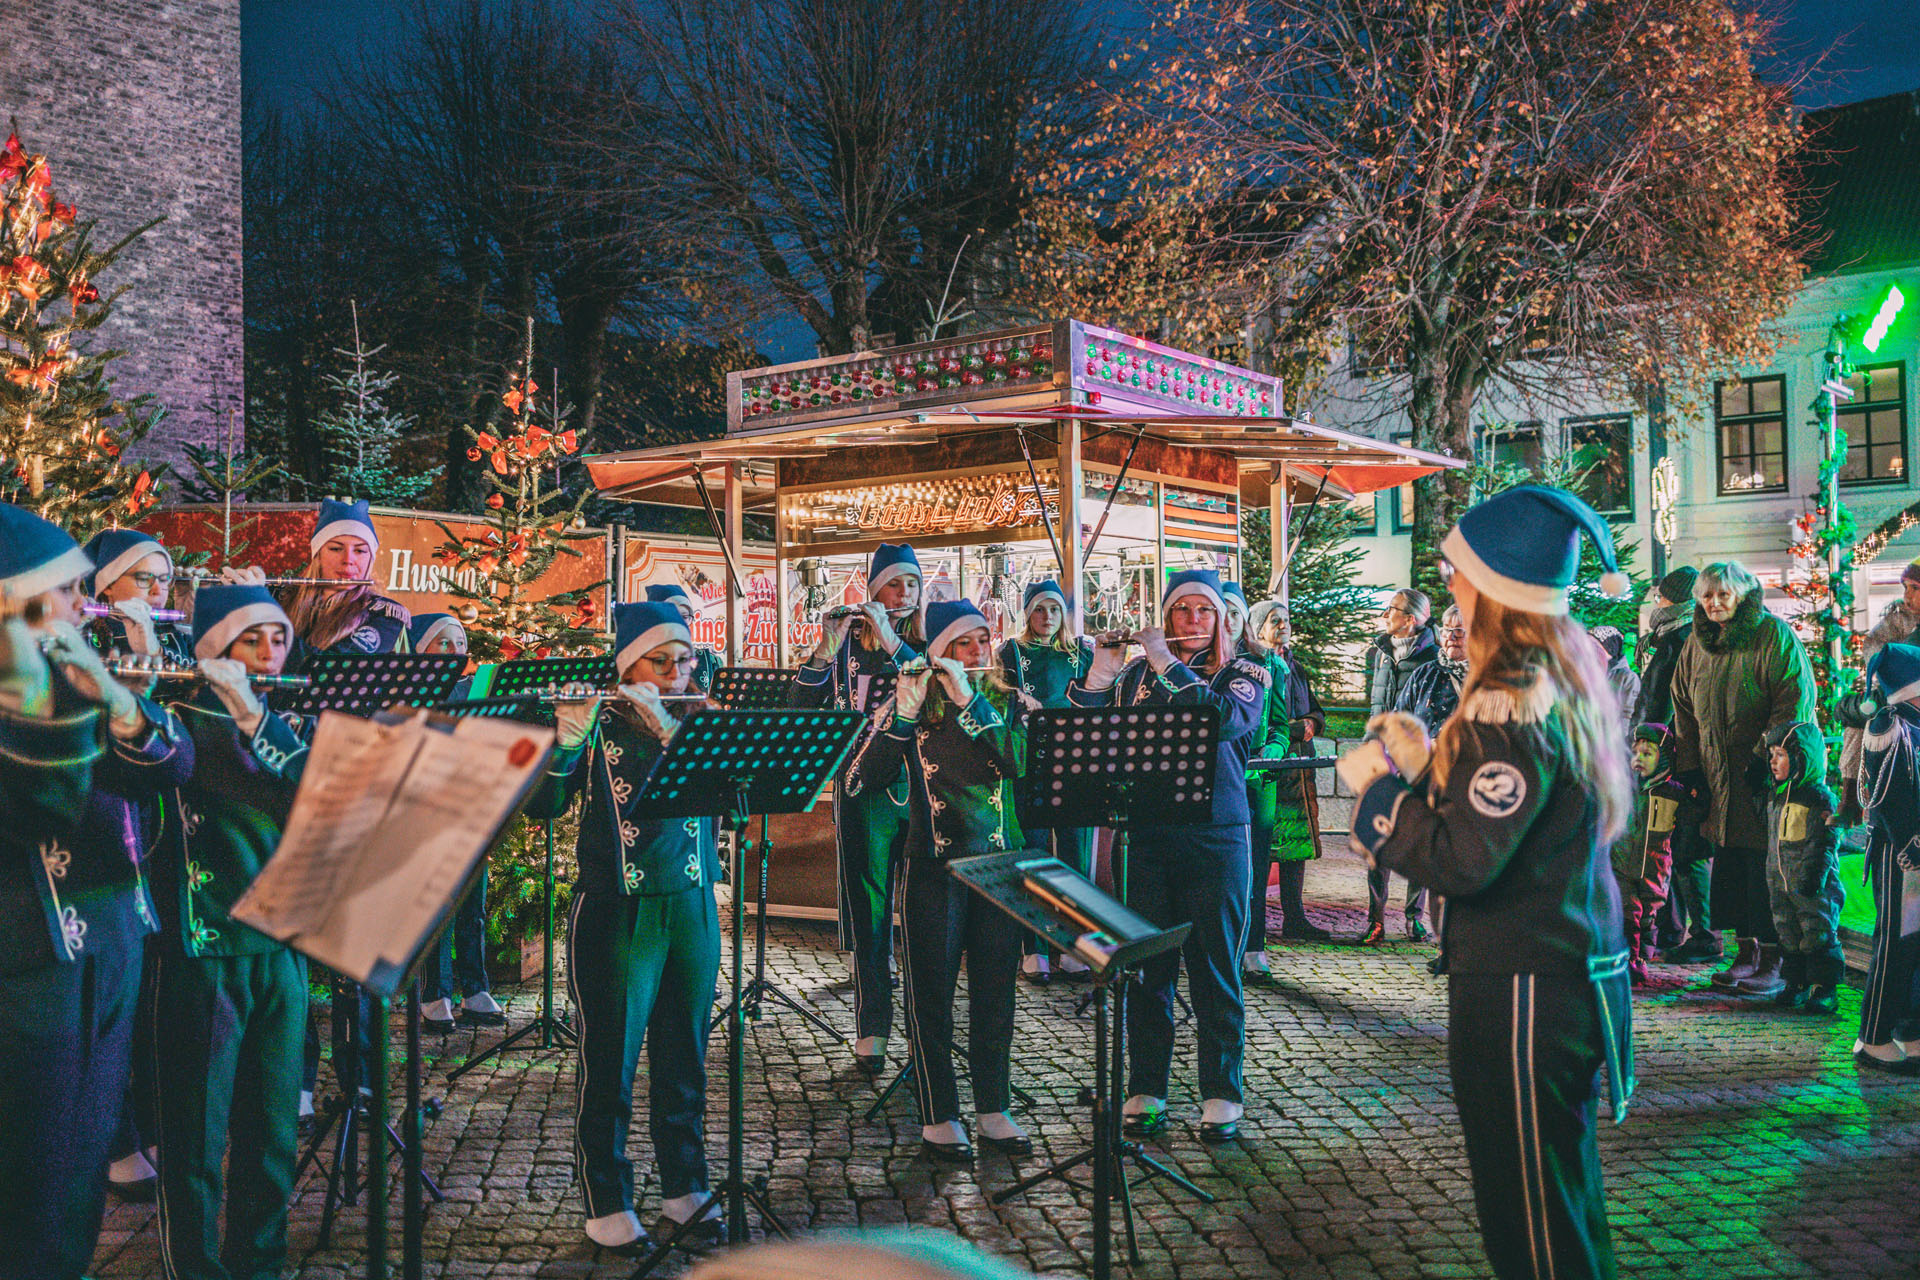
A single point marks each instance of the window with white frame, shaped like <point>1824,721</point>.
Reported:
<point>1601,447</point>
<point>1875,421</point>
<point>1750,434</point>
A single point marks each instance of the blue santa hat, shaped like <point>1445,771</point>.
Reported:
<point>223,610</point>
<point>640,628</point>
<point>1894,673</point>
<point>947,621</point>
<point>890,560</point>
<point>424,628</point>
<point>35,554</point>
<point>116,551</point>
<point>350,518</point>
<point>1522,548</point>
<point>1195,582</point>
<point>1045,589</point>
<point>671,593</point>
<point>1234,597</point>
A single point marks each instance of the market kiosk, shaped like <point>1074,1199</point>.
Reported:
<point>1059,450</point>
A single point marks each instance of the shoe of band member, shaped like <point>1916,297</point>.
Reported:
<point>481,1010</point>
<point>997,1131</point>
<point>946,1142</point>
<point>1072,968</point>
<point>1220,1120</point>
<point>711,1230</point>
<point>1765,980</point>
<point>1376,934</point>
<point>437,1015</point>
<point>1253,967</point>
<point>1037,970</point>
<point>1885,1057</point>
<point>620,1233</point>
<point>1746,959</point>
<point>1417,930</point>
<point>870,1054</point>
<point>132,1178</point>
<point>1822,1000</point>
<point>1142,1116</point>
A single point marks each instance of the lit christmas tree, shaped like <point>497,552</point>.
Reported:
<point>495,574</point>
<point>63,431</point>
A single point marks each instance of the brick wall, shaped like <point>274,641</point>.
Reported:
<point>136,104</point>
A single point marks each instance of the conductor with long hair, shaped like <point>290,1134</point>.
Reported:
<point>1511,818</point>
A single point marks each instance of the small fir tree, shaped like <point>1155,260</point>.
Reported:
<point>1330,613</point>
<point>64,432</point>
<point>360,433</point>
<point>533,521</point>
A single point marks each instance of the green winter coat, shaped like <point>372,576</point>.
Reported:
<point>1730,686</point>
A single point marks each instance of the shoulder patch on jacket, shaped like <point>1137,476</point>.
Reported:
<point>392,608</point>
<point>1256,670</point>
<point>1505,706</point>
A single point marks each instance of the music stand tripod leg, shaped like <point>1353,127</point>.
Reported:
<point>763,988</point>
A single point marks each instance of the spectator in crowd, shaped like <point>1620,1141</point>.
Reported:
<point>1642,861</point>
<point>1407,645</point>
<point>1664,633</point>
<point>1620,676</point>
<point>1434,689</point>
<point>1803,874</point>
<point>1291,835</point>
<point>1741,674</point>
<point>1683,927</point>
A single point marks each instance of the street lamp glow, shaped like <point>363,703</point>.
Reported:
<point>1883,318</point>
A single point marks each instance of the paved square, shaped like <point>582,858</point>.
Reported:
<point>1756,1148</point>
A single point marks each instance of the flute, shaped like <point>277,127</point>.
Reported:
<point>94,609</point>
<point>159,667</point>
<point>205,575</point>
<point>1116,639</point>
<point>556,695</point>
<point>914,666</point>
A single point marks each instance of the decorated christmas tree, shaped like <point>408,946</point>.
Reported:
<point>64,432</point>
<point>496,574</point>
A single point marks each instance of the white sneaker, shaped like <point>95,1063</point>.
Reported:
<point>612,1230</point>
<point>1255,963</point>
<point>481,1002</point>
<point>1036,968</point>
<point>870,1047</point>
<point>437,1012</point>
<point>306,1103</point>
<point>1070,963</point>
<point>998,1125</point>
<point>1221,1111</point>
<point>131,1169</point>
<point>682,1208</point>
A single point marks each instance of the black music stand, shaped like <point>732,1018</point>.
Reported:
<point>511,679</point>
<point>732,764</point>
<point>753,688</point>
<point>1114,767</point>
<point>1071,914</point>
<point>364,684</point>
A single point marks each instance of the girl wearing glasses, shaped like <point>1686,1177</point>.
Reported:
<point>134,576</point>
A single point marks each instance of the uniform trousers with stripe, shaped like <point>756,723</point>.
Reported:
<point>871,829</point>
<point>940,920</point>
<point>1525,1053</point>
<point>227,1034</point>
<point>1890,1006</point>
<point>66,1036</point>
<point>642,970</point>
<point>1177,875</point>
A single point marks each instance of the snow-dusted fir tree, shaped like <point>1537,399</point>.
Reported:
<point>361,432</point>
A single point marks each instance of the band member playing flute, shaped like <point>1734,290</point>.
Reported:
<point>336,619</point>
<point>705,661</point>
<point>134,577</point>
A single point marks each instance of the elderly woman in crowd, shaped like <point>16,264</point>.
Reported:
<point>1742,673</point>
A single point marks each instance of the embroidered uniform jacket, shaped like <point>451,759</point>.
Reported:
<point>223,824</point>
<point>383,630</point>
<point>858,679</point>
<point>1890,787</point>
<point>72,834</point>
<point>1512,840</point>
<point>1238,690</point>
<point>1044,672</point>
<point>621,849</point>
<point>960,776</point>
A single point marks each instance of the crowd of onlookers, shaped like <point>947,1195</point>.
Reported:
<point>1733,854</point>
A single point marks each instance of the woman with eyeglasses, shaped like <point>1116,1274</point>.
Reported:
<point>643,937</point>
<point>134,577</point>
<point>1434,690</point>
<point>1510,812</point>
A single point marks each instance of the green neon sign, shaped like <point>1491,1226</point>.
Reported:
<point>1890,306</point>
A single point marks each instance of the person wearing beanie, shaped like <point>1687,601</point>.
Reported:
<point>643,938</point>
<point>853,666</point>
<point>335,619</point>
<point>1897,623</point>
<point>1509,813</point>
<point>954,736</point>
<point>1620,676</point>
<point>1684,923</point>
<point>707,662</point>
<point>1890,775</point>
<point>1041,660</point>
<point>82,759</point>
<point>1643,861</point>
<point>1803,874</point>
<point>228,1005</point>
<point>134,575</point>
<point>1191,872</point>
<point>1742,672</point>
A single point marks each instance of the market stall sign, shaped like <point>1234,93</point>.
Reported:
<point>947,507</point>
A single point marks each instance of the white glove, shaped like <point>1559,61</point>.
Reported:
<point>1154,641</point>
<point>67,649</point>
<point>141,637</point>
<point>244,575</point>
<point>1363,766</point>
<point>1108,662</point>
<point>833,634</point>
<point>26,683</point>
<point>645,700</point>
<point>954,676</point>
<point>228,680</point>
<point>573,722</point>
<point>1028,701</point>
<point>881,626</point>
<point>910,694</point>
<point>1405,738</point>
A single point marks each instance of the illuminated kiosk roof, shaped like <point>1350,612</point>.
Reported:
<point>991,383</point>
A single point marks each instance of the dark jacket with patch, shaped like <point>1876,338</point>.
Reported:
<point>1238,691</point>
<point>960,770</point>
<point>383,630</point>
<point>1730,686</point>
<point>73,829</point>
<point>1511,840</point>
<point>1387,675</point>
<point>621,848</point>
<point>223,824</point>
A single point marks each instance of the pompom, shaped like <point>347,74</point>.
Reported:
<point>1615,583</point>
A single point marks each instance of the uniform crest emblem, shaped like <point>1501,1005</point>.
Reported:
<point>366,639</point>
<point>1496,789</point>
<point>1241,688</point>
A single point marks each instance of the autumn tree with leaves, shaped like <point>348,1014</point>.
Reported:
<point>64,431</point>
<point>1470,191</point>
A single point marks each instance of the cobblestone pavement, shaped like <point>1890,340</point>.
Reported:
<point>1756,1148</point>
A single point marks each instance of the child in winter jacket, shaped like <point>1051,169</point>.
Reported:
<point>1643,861</point>
<point>1803,875</point>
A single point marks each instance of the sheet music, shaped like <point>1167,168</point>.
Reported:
<point>389,827</point>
